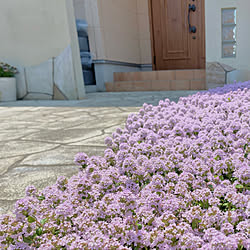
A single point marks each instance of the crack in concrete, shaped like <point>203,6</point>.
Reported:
<point>13,166</point>
<point>11,201</point>
<point>62,143</point>
<point>39,167</point>
<point>47,166</point>
<point>48,142</point>
<point>43,151</point>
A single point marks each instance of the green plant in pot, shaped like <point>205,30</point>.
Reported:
<point>7,82</point>
<point>7,70</point>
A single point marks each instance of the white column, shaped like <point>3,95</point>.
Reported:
<point>79,81</point>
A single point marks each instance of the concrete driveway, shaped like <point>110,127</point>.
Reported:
<point>39,139</point>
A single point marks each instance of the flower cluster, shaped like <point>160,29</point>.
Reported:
<point>7,71</point>
<point>176,177</point>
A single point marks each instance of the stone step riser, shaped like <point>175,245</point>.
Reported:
<point>160,75</point>
<point>154,85</point>
<point>165,80</point>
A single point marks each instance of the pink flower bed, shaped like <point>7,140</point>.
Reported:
<point>177,177</point>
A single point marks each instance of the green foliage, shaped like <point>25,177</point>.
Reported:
<point>195,223</point>
<point>41,198</point>
<point>43,221</point>
<point>225,205</point>
<point>6,70</point>
<point>31,219</point>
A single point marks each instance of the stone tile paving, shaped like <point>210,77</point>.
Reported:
<point>39,139</point>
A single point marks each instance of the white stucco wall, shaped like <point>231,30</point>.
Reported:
<point>213,32</point>
<point>39,37</point>
<point>33,31</point>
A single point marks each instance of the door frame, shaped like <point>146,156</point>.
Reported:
<point>152,39</point>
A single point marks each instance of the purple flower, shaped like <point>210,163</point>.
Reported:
<point>81,159</point>
<point>176,177</point>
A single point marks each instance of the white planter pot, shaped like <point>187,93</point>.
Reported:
<point>7,89</point>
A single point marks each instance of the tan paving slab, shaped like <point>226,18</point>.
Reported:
<point>64,135</point>
<point>5,164</point>
<point>96,141</point>
<point>18,148</point>
<point>15,126</point>
<point>13,134</point>
<point>60,156</point>
<point>102,123</point>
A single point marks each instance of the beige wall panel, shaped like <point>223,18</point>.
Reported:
<point>144,31</point>
<point>119,22</point>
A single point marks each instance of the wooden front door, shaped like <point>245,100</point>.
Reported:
<point>178,34</point>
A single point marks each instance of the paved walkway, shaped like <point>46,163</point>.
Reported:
<point>39,139</point>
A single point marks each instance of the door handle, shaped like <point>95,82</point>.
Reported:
<point>192,7</point>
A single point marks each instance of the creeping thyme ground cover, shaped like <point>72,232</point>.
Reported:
<point>177,177</point>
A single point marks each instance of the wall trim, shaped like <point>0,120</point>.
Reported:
<point>120,63</point>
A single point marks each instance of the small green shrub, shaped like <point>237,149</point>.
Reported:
<point>7,70</point>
